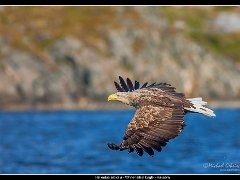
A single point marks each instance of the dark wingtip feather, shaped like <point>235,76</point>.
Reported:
<point>151,84</point>
<point>130,84</point>
<point>148,150</point>
<point>139,151</point>
<point>123,84</point>
<point>163,144</point>
<point>144,85</point>
<point>136,85</point>
<point>113,146</point>
<point>130,150</point>
<point>118,87</point>
<point>157,148</point>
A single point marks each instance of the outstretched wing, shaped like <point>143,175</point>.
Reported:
<point>129,86</point>
<point>152,127</point>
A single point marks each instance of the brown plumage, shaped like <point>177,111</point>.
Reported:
<point>159,114</point>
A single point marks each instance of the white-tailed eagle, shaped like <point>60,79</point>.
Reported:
<point>159,114</point>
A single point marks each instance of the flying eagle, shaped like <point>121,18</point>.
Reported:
<point>158,117</point>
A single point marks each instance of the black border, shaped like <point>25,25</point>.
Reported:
<point>119,2</point>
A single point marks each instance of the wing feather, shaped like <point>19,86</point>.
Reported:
<point>136,85</point>
<point>130,87</point>
<point>155,145</point>
<point>144,85</point>
<point>130,84</point>
<point>151,85</point>
<point>123,84</point>
<point>148,150</point>
<point>118,87</point>
<point>156,131</point>
<point>139,150</point>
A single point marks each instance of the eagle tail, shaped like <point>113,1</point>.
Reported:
<point>198,107</point>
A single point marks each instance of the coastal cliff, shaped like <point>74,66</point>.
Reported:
<point>68,57</point>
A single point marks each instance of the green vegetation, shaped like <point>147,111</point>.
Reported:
<point>36,28</point>
<point>197,28</point>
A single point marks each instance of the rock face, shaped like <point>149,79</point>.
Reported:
<point>71,71</point>
<point>228,22</point>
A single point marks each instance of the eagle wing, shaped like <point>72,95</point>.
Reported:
<point>152,127</point>
<point>128,86</point>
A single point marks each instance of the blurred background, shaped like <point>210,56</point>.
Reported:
<point>68,57</point>
<point>64,59</point>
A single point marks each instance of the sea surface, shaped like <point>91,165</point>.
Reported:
<point>75,142</point>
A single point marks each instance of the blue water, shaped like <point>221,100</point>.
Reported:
<point>76,142</point>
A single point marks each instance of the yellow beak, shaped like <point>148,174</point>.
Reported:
<point>112,97</point>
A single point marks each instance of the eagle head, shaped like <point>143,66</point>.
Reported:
<point>128,98</point>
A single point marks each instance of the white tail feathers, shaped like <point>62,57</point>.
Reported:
<point>199,108</point>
